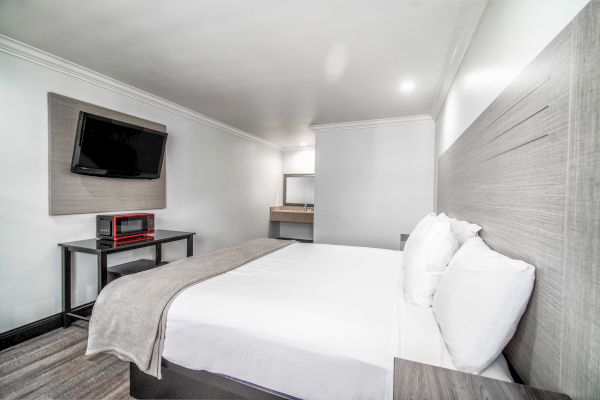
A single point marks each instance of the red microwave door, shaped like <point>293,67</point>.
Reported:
<point>130,226</point>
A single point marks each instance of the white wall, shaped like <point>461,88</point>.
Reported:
<point>373,183</point>
<point>218,185</point>
<point>509,36</point>
<point>300,161</point>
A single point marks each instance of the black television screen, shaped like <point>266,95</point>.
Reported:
<point>105,147</point>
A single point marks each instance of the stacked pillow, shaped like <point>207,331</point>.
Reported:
<point>462,230</point>
<point>478,295</point>
<point>479,302</point>
<point>427,253</point>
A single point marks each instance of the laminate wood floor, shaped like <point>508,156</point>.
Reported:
<point>53,366</point>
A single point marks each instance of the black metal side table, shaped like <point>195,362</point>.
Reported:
<point>102,249</point>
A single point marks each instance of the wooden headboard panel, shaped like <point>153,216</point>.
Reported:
<point>528,171</point>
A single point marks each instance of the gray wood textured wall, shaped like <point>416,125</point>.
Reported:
<point>71,193</point>
<point>414,380</point>
<point>528,171</point>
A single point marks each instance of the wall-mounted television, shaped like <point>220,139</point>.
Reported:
<point>110,148</point>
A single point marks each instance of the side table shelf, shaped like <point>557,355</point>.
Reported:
<point>132,267</point>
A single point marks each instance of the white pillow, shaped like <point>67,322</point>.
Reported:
<point>479,302</point>
<point>462,229</point>
<point>425,260</point>
<point>417,233</point>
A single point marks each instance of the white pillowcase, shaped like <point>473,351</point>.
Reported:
<point>462,229</point>
<point>479,302</point>
<point>419,230</point>
<point>426,257</point>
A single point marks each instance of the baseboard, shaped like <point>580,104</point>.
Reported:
<point>297,240</point>
<point>37,328</point>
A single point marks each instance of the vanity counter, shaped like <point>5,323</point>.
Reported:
<point>295,214</point>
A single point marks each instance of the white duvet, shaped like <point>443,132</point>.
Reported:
<point>312,321</point>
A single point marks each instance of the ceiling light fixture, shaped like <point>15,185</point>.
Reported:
<point>303,144</point>
<point>407,86</point>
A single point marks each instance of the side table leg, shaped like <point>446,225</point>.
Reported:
<point>102,273</point>
<point>66,289</point>
<point>190,245</point>
<point>158,254</point>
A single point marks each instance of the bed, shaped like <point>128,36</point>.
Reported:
<point>311,321</point>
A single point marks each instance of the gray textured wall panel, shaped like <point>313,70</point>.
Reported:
<point>71,193</point>
<point>528,171</point>
<point>507,173</point>
<point>581,319</point>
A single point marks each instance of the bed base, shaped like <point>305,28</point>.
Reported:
<point>183,383</point>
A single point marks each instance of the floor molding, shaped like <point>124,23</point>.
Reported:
<point>37,328</point>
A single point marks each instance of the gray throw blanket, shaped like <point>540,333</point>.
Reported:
<point>130,314</point>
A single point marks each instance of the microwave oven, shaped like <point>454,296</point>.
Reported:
<point>124,226</point>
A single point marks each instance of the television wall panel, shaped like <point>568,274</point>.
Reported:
<point>71,193</point>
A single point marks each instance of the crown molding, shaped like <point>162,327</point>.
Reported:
<point>40,57</point>
<point>372,123</point>
<point>298,148</point>
<point>469,17</point>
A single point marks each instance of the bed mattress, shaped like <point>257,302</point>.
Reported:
<point>313,321</point>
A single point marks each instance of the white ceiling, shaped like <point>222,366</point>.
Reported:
<point>268,67</point>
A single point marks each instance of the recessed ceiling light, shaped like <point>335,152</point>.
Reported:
<point>303,144</point>
<point>407,86</point>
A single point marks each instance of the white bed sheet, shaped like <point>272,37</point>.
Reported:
<point>312,321</point>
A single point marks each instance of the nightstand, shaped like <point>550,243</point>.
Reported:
<point>413,380</point>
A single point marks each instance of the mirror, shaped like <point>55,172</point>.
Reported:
<point>299,189</point>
